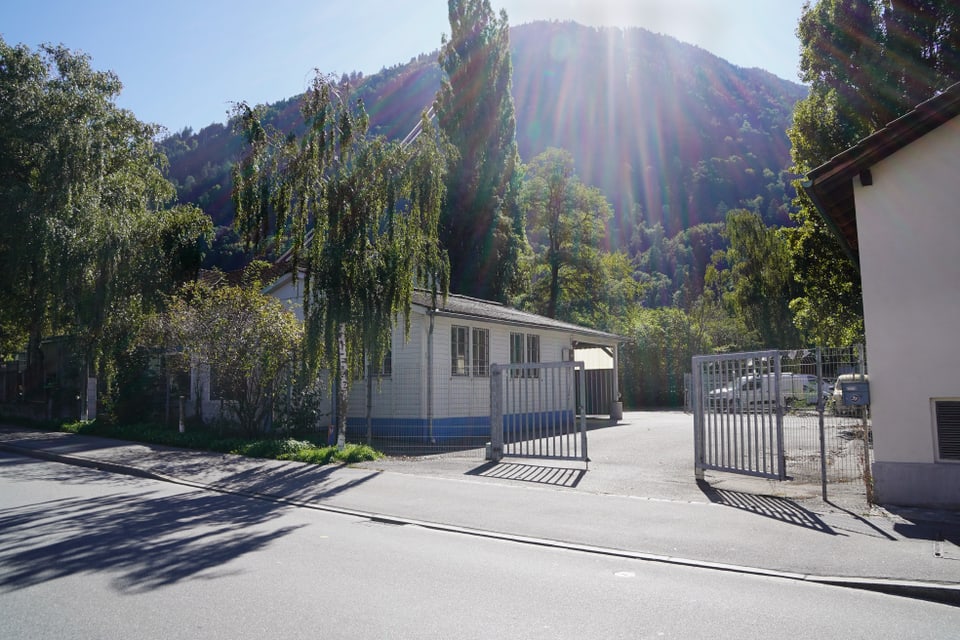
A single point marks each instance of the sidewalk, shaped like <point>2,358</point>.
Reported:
<point>713,524</point>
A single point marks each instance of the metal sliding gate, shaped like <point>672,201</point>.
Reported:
<point>537,410</point>
<point>738,422</point>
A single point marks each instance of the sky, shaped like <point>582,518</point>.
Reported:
<point>184,62</point>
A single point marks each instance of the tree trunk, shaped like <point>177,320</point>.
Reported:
<point>343,384</point>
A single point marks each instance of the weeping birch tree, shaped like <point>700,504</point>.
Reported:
<point>360,215</point>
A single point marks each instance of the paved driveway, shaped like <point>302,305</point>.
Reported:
<point>648,454</point>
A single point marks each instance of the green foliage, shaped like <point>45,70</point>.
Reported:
<point>361,215</point>
<point>566,223</point>
<point>654,361</point>
<point>204,439</point>
<point>762,279</point>
<point>247,340</point>
<point>482,227</point>
<point>277,449</point>
<point>674,269</point>
<point>867,63</point>
<point>86,243</point>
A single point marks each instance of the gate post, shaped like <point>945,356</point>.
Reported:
<point>695,404</point>
<point>496,413</point>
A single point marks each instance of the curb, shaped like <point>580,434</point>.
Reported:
<point>930,591</point>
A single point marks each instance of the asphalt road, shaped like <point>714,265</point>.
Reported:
<point>88,554</point>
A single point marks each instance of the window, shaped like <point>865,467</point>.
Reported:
<point>533,354</point>
<point>385,370</point>
<point>458,351</point>
<point>481,352</point>
<point>516,353</point>
<point>524,348</point>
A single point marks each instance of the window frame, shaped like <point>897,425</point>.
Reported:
<point>480,352</point>
<point>461,349</point>
<point>533,354</point>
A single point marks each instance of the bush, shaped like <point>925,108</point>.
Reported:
<point>207,440</point>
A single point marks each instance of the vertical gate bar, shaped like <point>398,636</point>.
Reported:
<point>534,412</point>
<point>766,437</point>
<point>781,455</point>
<point>764,465</point>
<point>737,422</point>
<point>496,413</point>
<point>551,425</point>
<point>698,417</point>
<point>583,417</point>
<point>723,437</point>
<point>508,410</point>
<point>820,421</point>
<point>724,443</point>
<point>570,437</point>
<point>524,406</point>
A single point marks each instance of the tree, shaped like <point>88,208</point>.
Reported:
<point>657,356</point>
<point>573,278</point>
<point>246,340</point>
<point>360,215</point>
<point>763,283</point>
<point>867,62</point>
<point>82,205</point>
<point>481,223</point>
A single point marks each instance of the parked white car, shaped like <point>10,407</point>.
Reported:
<point>758,391</point>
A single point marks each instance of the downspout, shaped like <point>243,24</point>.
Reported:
<point>432,315</point>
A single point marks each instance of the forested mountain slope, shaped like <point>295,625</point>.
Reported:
<point>671,134</point>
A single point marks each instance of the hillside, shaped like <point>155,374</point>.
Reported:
<point>672,134</point>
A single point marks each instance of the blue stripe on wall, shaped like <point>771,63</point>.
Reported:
<point>516,427</point>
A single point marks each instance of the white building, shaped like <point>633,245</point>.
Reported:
<point>436,384</point>
<point>893,200</point>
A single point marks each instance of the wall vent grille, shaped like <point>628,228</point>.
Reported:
<point>948,429</point>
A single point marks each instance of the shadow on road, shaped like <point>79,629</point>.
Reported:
<point>145,538</point>
<point>547,475</point>
<point>786,511</point>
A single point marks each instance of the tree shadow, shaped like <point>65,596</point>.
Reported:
<point>288,480</point>
<point>148,539</point>
<point>145,538</point>
<point>538,474</point>
<point>780,509</point>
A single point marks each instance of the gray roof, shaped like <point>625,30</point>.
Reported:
<point>473,308</point>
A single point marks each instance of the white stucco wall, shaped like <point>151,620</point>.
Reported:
<point>908,225</point>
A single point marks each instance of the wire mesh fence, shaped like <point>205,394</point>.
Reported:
<point>782,414</point>
<point>410,416</point>
<point>842,453</point>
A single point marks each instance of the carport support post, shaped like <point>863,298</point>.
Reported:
<point>496,413</point>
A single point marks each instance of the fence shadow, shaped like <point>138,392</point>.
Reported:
<point>537,474</point>
<point>779,509</point>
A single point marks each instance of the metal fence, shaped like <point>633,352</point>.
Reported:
<point>538,411</point>
<point>416,412</point>
<point>777,414</point>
